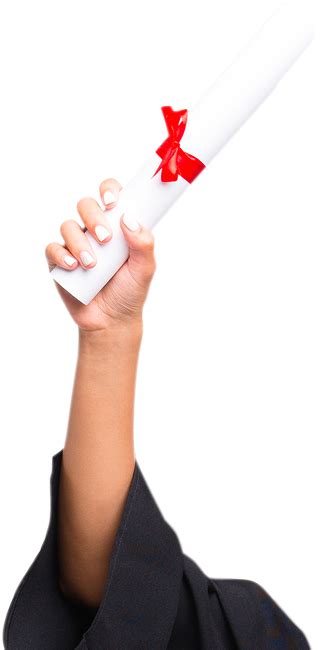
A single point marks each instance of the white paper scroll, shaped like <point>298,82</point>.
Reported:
<point>220,112</point>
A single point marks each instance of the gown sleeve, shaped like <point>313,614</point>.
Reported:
<point>143,591</point>
<point>155,597</point>
<point>256,619</point>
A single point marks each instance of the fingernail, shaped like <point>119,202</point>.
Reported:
<point>101,232</point>
<point>109,197</point>
<point>69,260</point>
<point>130,222</point>
<point>86,258</point>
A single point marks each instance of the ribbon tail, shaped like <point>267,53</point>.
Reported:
<point>168,164</point>
<point>165,148</point>
<point>189,167</point>
<point>158,168</point>
<point>168,175</point>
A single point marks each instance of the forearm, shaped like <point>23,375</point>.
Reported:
<point>98,458</point>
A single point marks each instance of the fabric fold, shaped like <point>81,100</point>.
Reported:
<point>141,594</point>
<point>155,597</point>
<point>256,619</point>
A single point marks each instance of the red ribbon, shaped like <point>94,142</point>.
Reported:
<point>175,161</point>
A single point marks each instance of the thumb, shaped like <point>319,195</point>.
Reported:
<point>141,244</point>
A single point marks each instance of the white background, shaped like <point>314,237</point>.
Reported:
<point>228,415</point>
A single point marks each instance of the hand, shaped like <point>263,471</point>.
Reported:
<point>121,300</point>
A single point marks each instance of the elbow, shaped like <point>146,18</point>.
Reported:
<point>80,597</point>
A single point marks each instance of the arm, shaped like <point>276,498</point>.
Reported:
<point>98,459</point>
<point>98,455</point>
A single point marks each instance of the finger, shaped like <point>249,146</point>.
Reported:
<point>78,244</point>
<point>109,191</point>
<point>58,255</point>
<point>141,244</point>
<point>94,219</point>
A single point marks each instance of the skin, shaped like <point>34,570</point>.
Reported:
<point>99,456</point>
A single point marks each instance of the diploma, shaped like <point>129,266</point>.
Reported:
<point>194,137</point>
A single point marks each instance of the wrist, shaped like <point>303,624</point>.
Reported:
<point>121,336</point>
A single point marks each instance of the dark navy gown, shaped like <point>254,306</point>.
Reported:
<point>155,596</point>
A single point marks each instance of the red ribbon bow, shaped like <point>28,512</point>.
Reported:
<point>175,161</point>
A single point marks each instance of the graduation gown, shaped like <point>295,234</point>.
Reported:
<point>155,597</point>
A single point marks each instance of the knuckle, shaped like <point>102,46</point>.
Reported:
<point>48,250</point>
<point>65,224</point>
<point>82,203</point>
<point>51,249</point>
<point>148,242</point>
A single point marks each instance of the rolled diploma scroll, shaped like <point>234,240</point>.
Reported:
<point>210,124</point>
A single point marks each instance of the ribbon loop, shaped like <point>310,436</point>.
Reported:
<point>176,162</point>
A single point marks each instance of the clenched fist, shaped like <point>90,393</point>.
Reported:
<point>121,300</point>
